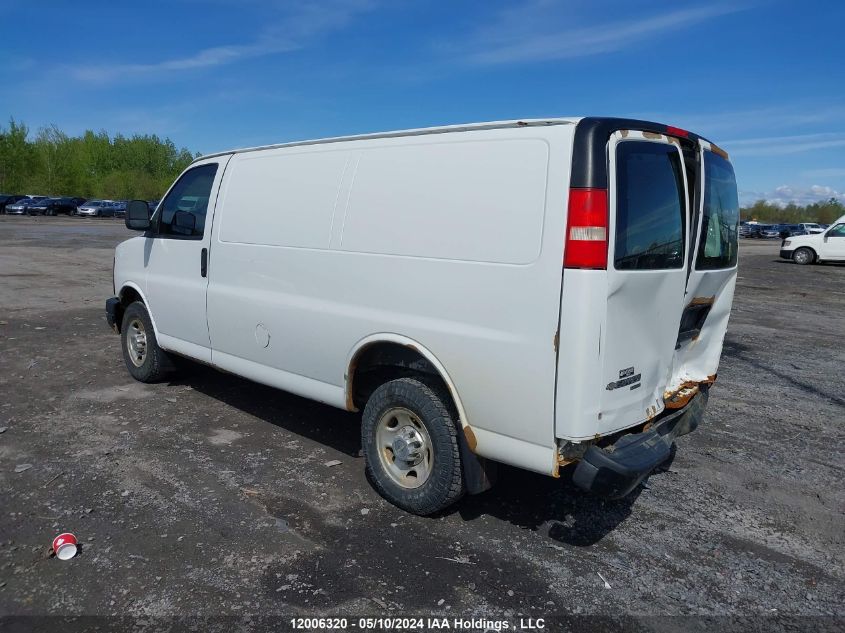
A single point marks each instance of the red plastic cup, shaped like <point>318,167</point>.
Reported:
<point>64,545</point>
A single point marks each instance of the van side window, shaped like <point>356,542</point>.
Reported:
<point>837,231</point>
<point>717,247</point>
<point>182,213</point>
<point>649,207</point>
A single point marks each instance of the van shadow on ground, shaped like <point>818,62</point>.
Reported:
<point>553,507</point>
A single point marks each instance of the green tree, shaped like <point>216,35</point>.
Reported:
<point>17,158</point>
<point>92,165</point>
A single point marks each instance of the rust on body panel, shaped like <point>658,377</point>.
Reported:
<point>683,394</point>
<point>472,442</point>
<point>702,301</point>
<point>718,150</point>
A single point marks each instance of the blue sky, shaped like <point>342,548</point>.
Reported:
<point>763,79</point>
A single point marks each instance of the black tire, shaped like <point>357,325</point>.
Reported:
<point>154,363</point>
<point>804,256</point>
<point>433,409</point>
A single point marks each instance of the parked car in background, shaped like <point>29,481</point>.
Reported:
<point>54,206</point>
<point>811,227</point>
<point>769,231</point>
<point>6,198</point>
<point>788,230</point>
<point>96,208</point>
<point>753,230</point>
<point>32,197</point>
<point>20,207</point>
<point>119,208</point>
<point>817,247</point>
<point>39,207</point>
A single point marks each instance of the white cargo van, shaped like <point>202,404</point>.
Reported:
<point>539,293</point>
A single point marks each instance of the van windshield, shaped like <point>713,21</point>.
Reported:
<point>717,247</point>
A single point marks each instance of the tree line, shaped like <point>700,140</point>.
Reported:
<point>825,212</point>
<point>93,165</point>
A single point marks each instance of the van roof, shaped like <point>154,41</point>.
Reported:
<point>465,127</point>
<point>589,167</point>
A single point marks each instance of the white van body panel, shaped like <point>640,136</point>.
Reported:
<point>454,241</point>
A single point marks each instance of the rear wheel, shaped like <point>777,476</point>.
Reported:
<point>409,437</point>
<point>804,256</point>
<point>144,359</point>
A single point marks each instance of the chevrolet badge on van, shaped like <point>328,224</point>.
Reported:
<point>539,292</point>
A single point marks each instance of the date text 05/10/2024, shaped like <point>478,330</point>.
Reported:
<point>417,624</point>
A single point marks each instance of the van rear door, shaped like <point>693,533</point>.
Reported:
<point>711,279</point>
<point>646,274</point>
<point>641,329</point>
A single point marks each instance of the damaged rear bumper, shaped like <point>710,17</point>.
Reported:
<point>615,470</point>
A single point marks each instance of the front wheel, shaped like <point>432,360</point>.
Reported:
<point>410,443</point>
<point>144,359</point>
<point>804,256</point>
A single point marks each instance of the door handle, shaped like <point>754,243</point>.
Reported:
<point>204,262</point>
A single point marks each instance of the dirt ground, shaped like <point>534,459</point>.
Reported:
<point>210,495</point>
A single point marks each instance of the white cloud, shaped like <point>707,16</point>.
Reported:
<point>824,172</point>
<point>785,194</point>
<point>540,31</point>
<point>304,23</point>
<point>753,120</point>
<point>780,145</point>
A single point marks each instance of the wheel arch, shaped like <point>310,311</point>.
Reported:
<point>479,473</point>
<point>130,292</point>
<point>368,343</point>
<point>809,248</point>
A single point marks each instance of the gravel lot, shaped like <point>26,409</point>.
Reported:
<point>210,495</point>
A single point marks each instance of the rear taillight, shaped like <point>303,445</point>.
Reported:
<point>586,230</point>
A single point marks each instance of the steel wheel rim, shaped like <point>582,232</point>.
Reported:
<point>136,342</point>
<point>404,447</point>
<point>802,256</point>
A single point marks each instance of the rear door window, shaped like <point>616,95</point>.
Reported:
<point>650,207</point>
<point>717,247</point>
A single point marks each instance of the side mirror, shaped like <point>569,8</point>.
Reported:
<point>137,215</point>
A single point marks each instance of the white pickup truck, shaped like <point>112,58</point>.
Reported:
<point>535,292</point>
<point>827,245</point>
